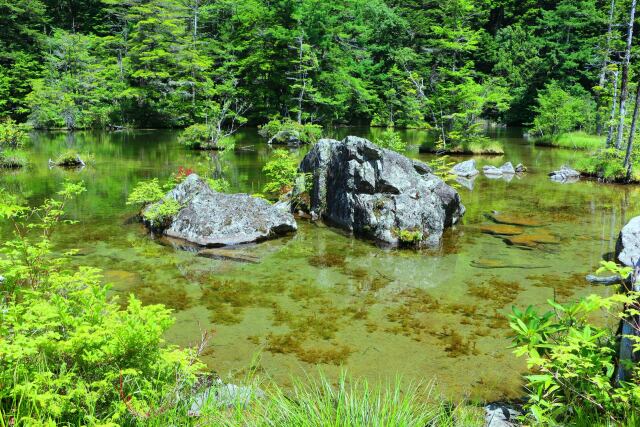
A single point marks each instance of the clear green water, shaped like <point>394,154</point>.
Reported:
<point>322,298</point>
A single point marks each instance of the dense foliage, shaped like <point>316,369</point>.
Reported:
<point>281,172</point>
<point>278,131</point>
<point>573,360</point>
<point>69,354</point>
<point>429,64</point>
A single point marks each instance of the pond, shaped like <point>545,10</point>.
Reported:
<point>322,298</point>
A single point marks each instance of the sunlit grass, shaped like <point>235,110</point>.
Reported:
<point>349,402</point>
<point>574,141</point>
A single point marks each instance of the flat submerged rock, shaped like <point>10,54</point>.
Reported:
<point>501,229</point>
<point>533,240</point>
<point>511,219</point>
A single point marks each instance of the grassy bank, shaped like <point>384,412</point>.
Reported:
<point>573,141</point>
<point>482,146</point>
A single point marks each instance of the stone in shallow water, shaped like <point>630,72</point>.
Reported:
<point>565,175</point>
<point>224,395</point>
<point>209,218</point>
<point>377,193</point>
<point>465,169</point>
<point>229,255</point>
<point>496,263</point>
<point>507,169</point>
<point>492,171</point>
<point>533,240</point>
<point>502,229</point>
<point>628,243</point>
<point>511,219</point>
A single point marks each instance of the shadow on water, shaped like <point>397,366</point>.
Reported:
<point>323,298</point>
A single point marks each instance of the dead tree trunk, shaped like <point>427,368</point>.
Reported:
<point>624,89</point>
<point>603,71</point>
<point>632,132</point>
<point>614,104</point>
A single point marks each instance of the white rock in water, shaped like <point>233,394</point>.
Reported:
<point>628,244</point>
<point>465,169</point>
<point>507,168</point>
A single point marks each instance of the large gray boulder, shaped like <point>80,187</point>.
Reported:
<point>377,193</point>
<point>628,244</point>
<point>465,169</point>
<point>209,218</point>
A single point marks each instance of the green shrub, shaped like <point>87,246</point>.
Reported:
<point>391,141</point>
<point>410,237</point>
<point>201,136</point>
<point>281,172</point>
<point>69,355</point>
<point>12,135</point>
<point>69,158</point>
<point>161,213</point>
<point>307,133</point>
<point>12,159</point>
<point>560,111</point>
<point>220,185</point>
<point>572,361</point>
<point>145,193</point>
<point>605,164</point>
<point>441,167</point>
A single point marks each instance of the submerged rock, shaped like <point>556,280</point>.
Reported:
<point>532,240</point>
<point>465,169</point>
<point>229,255</point>
<point>565,175</point>
<point>510,219</point>
<point>501,229</point>
<point>377,193</point>
<point>628,243</point>
<point>209,218</point>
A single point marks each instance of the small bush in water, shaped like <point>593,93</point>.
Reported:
<point>281,172</point>
<point>145,193</point>
<point>308,133</point>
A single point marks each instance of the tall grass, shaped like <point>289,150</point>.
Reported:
<point>319,403</point>
<point>574,140</point>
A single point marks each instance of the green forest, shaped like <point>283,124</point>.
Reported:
<point>441,65</point>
